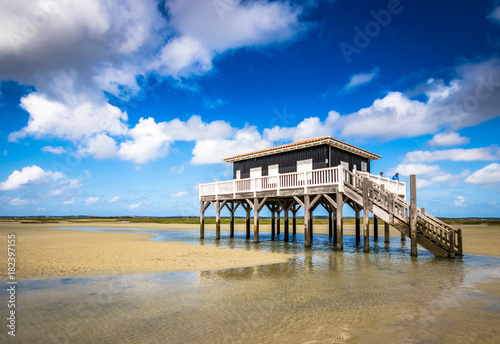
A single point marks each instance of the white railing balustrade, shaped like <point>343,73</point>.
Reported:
<point>395,186</point>
<point>320,177</point>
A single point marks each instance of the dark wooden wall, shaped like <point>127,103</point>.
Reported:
<point>288,160</point>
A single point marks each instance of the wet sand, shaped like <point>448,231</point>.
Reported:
<point>47,254</point>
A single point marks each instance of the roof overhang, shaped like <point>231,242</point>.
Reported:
<point>305,144</point>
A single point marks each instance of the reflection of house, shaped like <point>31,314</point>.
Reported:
<point>327,172</point>
<point>301,156</point>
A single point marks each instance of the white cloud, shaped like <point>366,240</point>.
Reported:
<point>459,201</point>
<point>72,119</point>
<point>114,199</point>
<point>447,139</point>
<point>101,146</point>
<point>212,151</point>
<point>71,201</point>
<point>90,47</point>
<point>19,202</point>
<point>202,33</point>
<point>55,150</point>
<point>458,154</point>
<point>408,169</point>
<point>361,79</point>
<point>148,142</point>
<point>31,175</point>
<point>134,206</point>
<point>426,174</point>
<point>91,200</point>
<point>177,170</point>
<point>178,194</point>
<point>495,15</point>
<point>487,175</point>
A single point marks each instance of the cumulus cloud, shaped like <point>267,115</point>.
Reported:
<point>114,199</point>
<point>178,194</point>
<point>472,97</point>
<point>495,15</point>
<point>91,200</point>
<point>212,151</point>
<point>427,174</point>
<point>447,139</point>
<point>361,79</point>
<point>72,54</point>
<point>487,175</point>
<point>459,201</point>
<point>31,175</point>
<point>54,150</point>
<point>71,201</point>
<point>458,154</point>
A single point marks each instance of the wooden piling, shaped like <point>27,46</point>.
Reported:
<point>375,228</point>
<point>307,215</point>
<point>366,216</point>
<point>387,234</point>
<point>278,218</point>
<point>358,226</point>
<point>340,229</point>
<point>273,223</point>
<point>217,220</point>
<point>286,210</point>
<point>413,214</point>
<point>256,212</point>
<point>202,219</point>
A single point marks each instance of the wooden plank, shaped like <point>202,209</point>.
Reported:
<point>413,215</point>
<point>330,200</point>
<point>299,201</point>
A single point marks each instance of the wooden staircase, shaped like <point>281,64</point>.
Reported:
<point>434,235</point>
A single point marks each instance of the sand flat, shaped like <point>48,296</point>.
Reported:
<point>43,252</point>
<point>46,254</point>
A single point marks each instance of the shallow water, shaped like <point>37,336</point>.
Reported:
<point>323,296</point>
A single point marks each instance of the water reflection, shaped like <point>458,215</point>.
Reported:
<point>322,296</point>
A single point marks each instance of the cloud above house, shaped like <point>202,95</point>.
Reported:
<point>360,79</point>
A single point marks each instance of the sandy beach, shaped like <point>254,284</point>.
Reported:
<point>44,253</point>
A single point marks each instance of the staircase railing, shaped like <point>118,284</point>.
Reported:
<point>429,226</point>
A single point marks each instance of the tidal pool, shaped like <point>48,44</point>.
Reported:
<point>322,296</point>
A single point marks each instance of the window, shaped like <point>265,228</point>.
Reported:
<point>238,174</point>
<point>273,170</point>
<point>256,172</point>
<point>364,166</point>
<point>345,164</point>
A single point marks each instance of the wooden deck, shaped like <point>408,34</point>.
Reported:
<point>332,188</point>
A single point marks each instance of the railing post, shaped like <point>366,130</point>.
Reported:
<point>234,188</point>
<point>216,190</point>
<point>451,238</point>
<point>413,214</point>
<point>340,170</point>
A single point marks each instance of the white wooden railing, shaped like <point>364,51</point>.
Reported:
<point>394,186</point>
<point>294,180</point>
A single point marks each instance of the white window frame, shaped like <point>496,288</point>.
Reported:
<point>345,164</point>
<point>238,174</point>
<point>305,165</point>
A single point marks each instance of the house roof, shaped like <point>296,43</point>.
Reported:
<point>304,144</point>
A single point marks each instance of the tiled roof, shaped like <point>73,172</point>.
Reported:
<point>303,144</point>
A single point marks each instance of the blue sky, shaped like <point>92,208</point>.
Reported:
<point>123,107</point>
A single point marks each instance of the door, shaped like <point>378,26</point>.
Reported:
<point>272,170</point>
<point>238,174</point>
